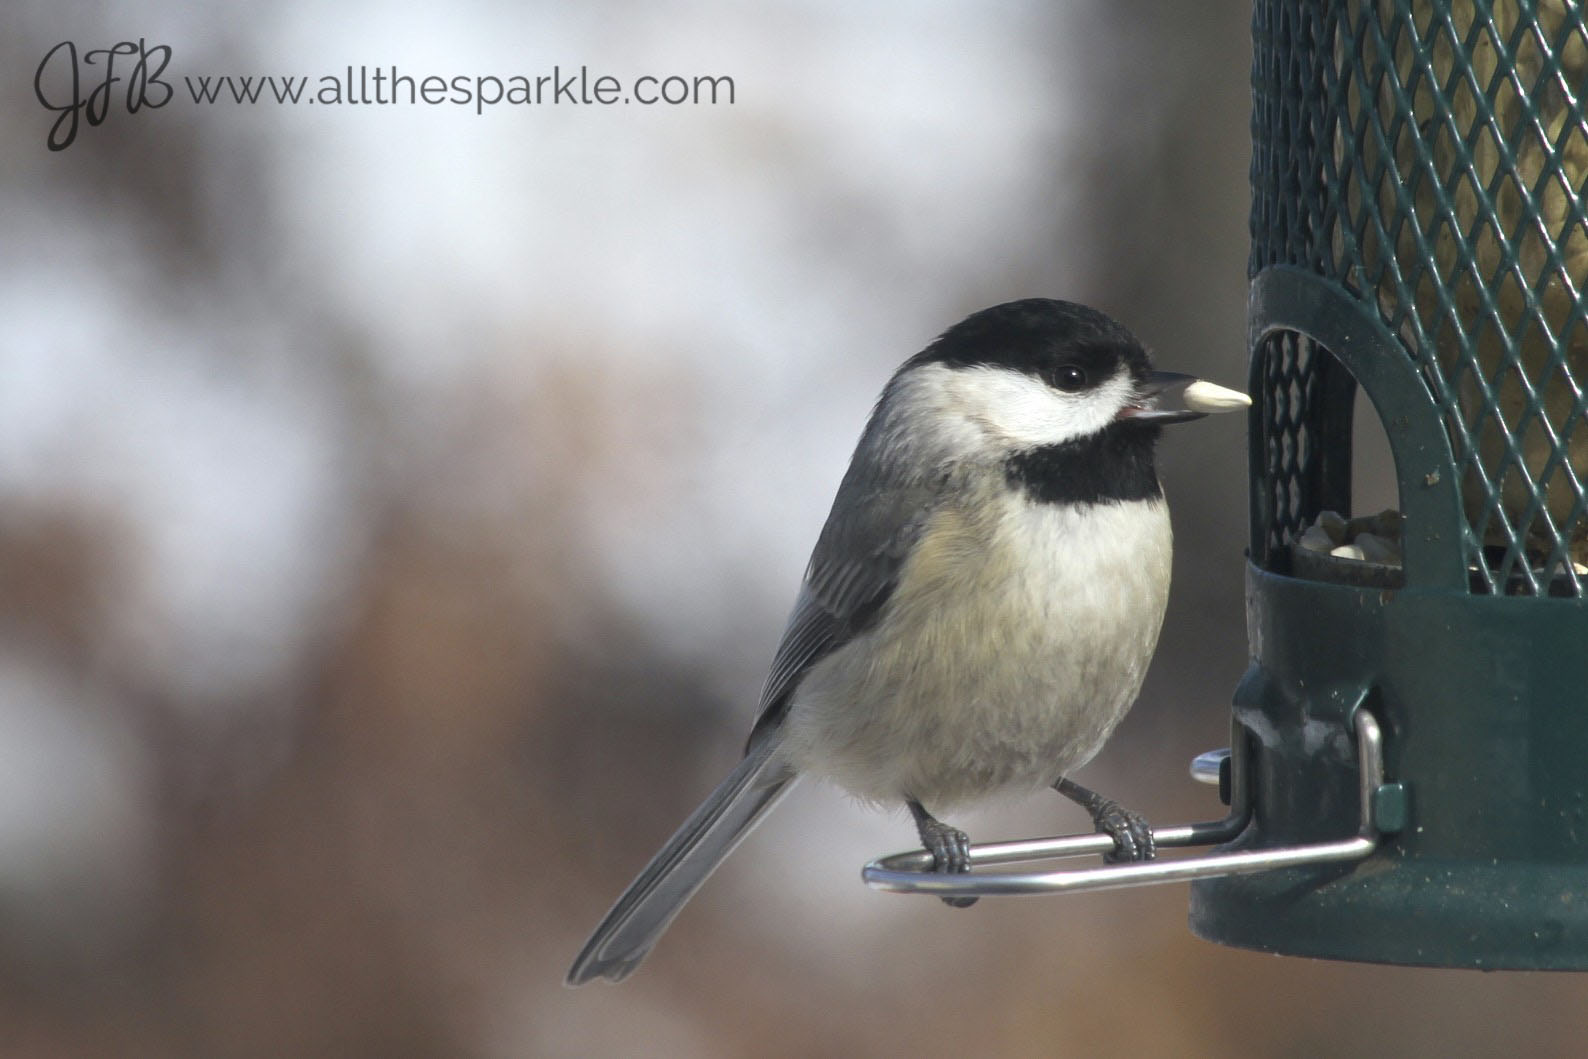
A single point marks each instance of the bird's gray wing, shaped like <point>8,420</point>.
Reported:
<point>875,521</point>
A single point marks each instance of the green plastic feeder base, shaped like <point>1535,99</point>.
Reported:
<point>1393,910</point>
<point>1484,705</point>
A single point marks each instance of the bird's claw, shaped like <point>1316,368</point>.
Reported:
<point>950,849</point>
<point>1130,831</point>
<point>949,846</point>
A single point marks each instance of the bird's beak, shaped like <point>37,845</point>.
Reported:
<point>1188,398</point>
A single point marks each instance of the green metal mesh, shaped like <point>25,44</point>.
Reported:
<point>1430,156</point>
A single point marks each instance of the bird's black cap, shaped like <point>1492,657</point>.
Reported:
<point>1038,336</point>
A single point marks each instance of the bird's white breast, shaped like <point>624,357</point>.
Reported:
<point>1016,639</point>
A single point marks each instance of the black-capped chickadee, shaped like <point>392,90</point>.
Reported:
<point>981,605</point>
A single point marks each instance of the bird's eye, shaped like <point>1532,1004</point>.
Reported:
<point>1070,378</point>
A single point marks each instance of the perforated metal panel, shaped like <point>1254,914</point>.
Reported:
<point>1431,157</point>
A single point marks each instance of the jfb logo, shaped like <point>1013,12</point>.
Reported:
<point>59,82</point>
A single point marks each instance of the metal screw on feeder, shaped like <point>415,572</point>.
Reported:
<point>1416,710</point>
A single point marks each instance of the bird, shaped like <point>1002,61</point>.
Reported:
<point>980,608</point>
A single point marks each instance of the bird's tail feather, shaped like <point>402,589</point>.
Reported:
<point>646,908</point>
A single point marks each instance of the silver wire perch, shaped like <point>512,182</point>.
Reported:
<point>912,872</point>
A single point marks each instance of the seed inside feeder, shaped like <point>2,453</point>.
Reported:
<point>1371,539</point>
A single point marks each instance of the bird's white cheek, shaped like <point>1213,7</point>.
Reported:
<point>1032,413</point>
<point>1017,410</point>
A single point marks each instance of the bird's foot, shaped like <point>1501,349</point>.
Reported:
<point>949,847</point>
<point>1130,831</point>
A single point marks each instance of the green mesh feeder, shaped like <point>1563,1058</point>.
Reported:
<point>1408,772</point>
<point>1418,230</point>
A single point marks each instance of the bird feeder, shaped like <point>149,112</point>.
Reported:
<point>1418,231</point>
<point>1408,773</point>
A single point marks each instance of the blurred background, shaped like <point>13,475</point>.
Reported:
<point>399,507</point>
